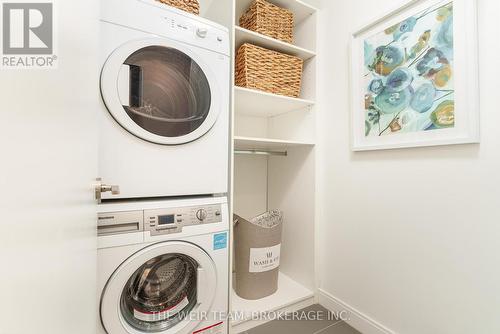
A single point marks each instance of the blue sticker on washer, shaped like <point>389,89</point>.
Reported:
<point>220,241</point>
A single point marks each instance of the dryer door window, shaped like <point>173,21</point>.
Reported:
<point>165,92</point>
<point>161,293</point>
<point>161,91</point>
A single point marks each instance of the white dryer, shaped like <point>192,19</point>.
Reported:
<point>165,85</point>
<point>163,267</point>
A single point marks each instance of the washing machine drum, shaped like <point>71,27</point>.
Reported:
<point>160,293</point>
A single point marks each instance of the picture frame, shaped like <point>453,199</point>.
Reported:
<point>414,77</point>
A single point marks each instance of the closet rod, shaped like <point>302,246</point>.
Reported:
<point>262,152</point>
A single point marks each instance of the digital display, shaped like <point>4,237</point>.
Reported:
<point>165,220</point>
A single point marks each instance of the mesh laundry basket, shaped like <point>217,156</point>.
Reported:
<point>257,254</point>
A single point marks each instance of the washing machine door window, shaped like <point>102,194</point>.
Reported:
<point>160,289</point>
<point>161,91</point>
<point>160,293</point>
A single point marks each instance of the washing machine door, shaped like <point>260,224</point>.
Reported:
<point>165,288</point>
<point>161,91</point>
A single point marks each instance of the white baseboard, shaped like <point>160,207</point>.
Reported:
<point>357,319</point>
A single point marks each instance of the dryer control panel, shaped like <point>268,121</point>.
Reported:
<point>158,19</point>
<point>167,221</point>
<point>157,221</point>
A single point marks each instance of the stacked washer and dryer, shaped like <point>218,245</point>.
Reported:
<point>163,260</point>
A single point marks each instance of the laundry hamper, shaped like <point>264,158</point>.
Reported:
<point>268,19</point>
<point>190,6</point>
<point>257,254</point>
<point>270,71</point>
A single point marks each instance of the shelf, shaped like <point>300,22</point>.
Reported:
<point>300,10</point>
<point>289,293</point>
<point>257,103</point>
<point>243,35</point>
<point>266,144</point>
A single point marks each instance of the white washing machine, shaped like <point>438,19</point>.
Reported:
<point>163,267</point>
<point>165,85</point>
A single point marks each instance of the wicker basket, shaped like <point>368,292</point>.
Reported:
<point>190,6</point>
<point>270,71</point>
<point>268,19</point>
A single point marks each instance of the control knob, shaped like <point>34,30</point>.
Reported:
<point>202,32</point>
<point>201,214</point>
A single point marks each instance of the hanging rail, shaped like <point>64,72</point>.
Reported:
<point>262,152</point>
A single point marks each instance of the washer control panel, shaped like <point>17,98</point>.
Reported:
<point>167,221</point>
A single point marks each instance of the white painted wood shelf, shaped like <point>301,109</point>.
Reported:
<point>289,293</point>
<point>266,144</point>
<point>243,35</point>
<point>257,103</point>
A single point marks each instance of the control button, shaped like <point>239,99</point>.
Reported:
<point>217,213</point>
<point>219,38</point>
<point>201,214</point>
<point>202,32</point>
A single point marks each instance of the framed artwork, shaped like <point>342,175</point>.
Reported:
<point>414,77</point>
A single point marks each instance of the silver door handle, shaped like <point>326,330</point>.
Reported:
<point>115,190</point>
<point>104,188</point>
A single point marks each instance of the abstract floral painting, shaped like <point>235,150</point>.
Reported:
<point>409,75</point>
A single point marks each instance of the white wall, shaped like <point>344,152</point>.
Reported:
<point>410,238</point>
<point>47,165</point>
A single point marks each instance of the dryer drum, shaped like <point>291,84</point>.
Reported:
<point>160,293</point>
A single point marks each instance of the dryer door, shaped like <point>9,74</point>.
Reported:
<point>165,288</point>
<point>161,91</point>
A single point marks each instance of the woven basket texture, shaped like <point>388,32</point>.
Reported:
<point>269,71</point>
<point>268,19</point>
<point>190,6</point>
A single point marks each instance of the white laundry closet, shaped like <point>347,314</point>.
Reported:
<point>401,240</point>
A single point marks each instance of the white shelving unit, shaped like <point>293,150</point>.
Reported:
<point>277,133</point>
<point>284,178</point>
